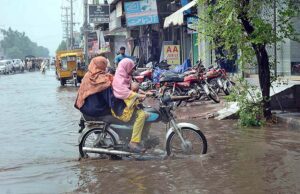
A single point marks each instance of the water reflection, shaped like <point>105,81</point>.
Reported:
<point>38,128</point>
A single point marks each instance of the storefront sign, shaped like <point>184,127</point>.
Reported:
<point>99,14</point>
<point>172,54</point>
<point>141,12</point>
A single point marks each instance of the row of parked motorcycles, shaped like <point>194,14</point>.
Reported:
<point>199,83</point>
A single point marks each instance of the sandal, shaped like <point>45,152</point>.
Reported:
<point>136,148</point>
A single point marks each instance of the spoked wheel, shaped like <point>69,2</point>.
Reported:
<point>213,95</point>
<point>195,143</point>
<point>177,92</point>
<point>228,86</point>
<point>215,86</point>
<point>95,138</point>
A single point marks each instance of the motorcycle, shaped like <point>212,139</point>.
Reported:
<point>110,137</point>
<point>218,79</point>
<point>192,83</point>
<point>145,78</point>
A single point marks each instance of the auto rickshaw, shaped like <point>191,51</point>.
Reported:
<point>70,67</point>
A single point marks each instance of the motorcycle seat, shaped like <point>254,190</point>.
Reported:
<point>109,119</point>
<point>171,77</point>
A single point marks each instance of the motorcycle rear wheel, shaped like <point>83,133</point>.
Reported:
<point>195,146</point>
<point>91,139</point>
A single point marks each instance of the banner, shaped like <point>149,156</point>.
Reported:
<point>141,12</point>
<point>172,54</point>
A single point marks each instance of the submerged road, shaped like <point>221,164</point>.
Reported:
<point>38,137</point>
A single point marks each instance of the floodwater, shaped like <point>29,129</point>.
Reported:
<point>38,137</point>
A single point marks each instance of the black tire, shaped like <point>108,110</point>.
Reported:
<point>177,92</point>
<point>198,132</point>
<point>62,82</point>
<point>228,88</point>
<point>79,80</point>
<point>213,95</point>
<point>75,82</point>
<point>82,143</point>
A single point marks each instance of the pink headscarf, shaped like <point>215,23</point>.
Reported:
<point>122,79</point>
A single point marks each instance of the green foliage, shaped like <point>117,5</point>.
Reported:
<point>17,45</point>
<point>249,100</point>
<point>249,26</point>
<point>62,46</point>
<point>223,22</point>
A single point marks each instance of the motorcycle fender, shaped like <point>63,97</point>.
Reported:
<point>205,87</point>
<point>225,84</point>
<point>220,83</point>
<point>182,125</point>
<point>87,129</point>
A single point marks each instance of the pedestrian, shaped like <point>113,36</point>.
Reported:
<point>121,56</point>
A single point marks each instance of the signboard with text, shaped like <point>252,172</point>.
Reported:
<point>172,54</point>
<point>142,12</point>
<point>99,14</point>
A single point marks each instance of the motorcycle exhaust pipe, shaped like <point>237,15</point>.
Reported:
<point>177,98</point>
<point>105,151</point>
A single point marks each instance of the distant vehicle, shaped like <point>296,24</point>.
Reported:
<point>3,68</point>
<point>18,65</point>
<point>6,66</point>
<point>69,66</point>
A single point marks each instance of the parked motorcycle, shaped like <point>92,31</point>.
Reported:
<point>192,83</point>
<point>218,79</point>
<point>145,78</point>
<point>109,136</point>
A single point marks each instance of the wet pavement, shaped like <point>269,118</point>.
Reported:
<point>38,137</point>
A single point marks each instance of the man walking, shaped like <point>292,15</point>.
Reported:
<point>121,56</point>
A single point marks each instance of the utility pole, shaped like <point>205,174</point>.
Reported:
<point>72,23</point>
<point>85,31</point>
<point>275,42</point>
<point>65,23</point>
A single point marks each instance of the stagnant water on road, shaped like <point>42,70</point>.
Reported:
<point>38,137</point>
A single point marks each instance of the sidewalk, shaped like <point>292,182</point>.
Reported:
<point>291,120</point>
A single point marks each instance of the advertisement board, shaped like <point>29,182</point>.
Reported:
<point>141,12</point>
<point>172,54</point>
<point>99,14</point>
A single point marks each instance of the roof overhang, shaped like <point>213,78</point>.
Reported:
<point>177,18</point>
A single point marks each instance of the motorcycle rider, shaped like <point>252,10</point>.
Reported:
<point>122,85</point>
<point>93,97</point>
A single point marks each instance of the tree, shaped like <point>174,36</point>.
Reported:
<point>62,46</point>
<point>249,26</point>
<point>17,45</point>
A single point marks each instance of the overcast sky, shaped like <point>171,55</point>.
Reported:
<point>39,19</point>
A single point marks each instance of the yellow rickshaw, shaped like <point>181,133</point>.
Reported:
<point>70,67</point>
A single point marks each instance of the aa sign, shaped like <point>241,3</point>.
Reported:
<point>172,54</point>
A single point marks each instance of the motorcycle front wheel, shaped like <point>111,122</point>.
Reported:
<point>195,143</point>
<point>213,95</point>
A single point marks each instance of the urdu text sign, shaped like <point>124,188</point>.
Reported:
<point>141,12</point>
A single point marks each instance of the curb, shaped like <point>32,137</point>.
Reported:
<point>292,122</point>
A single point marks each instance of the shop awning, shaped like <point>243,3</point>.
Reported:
<point>177,18</point>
